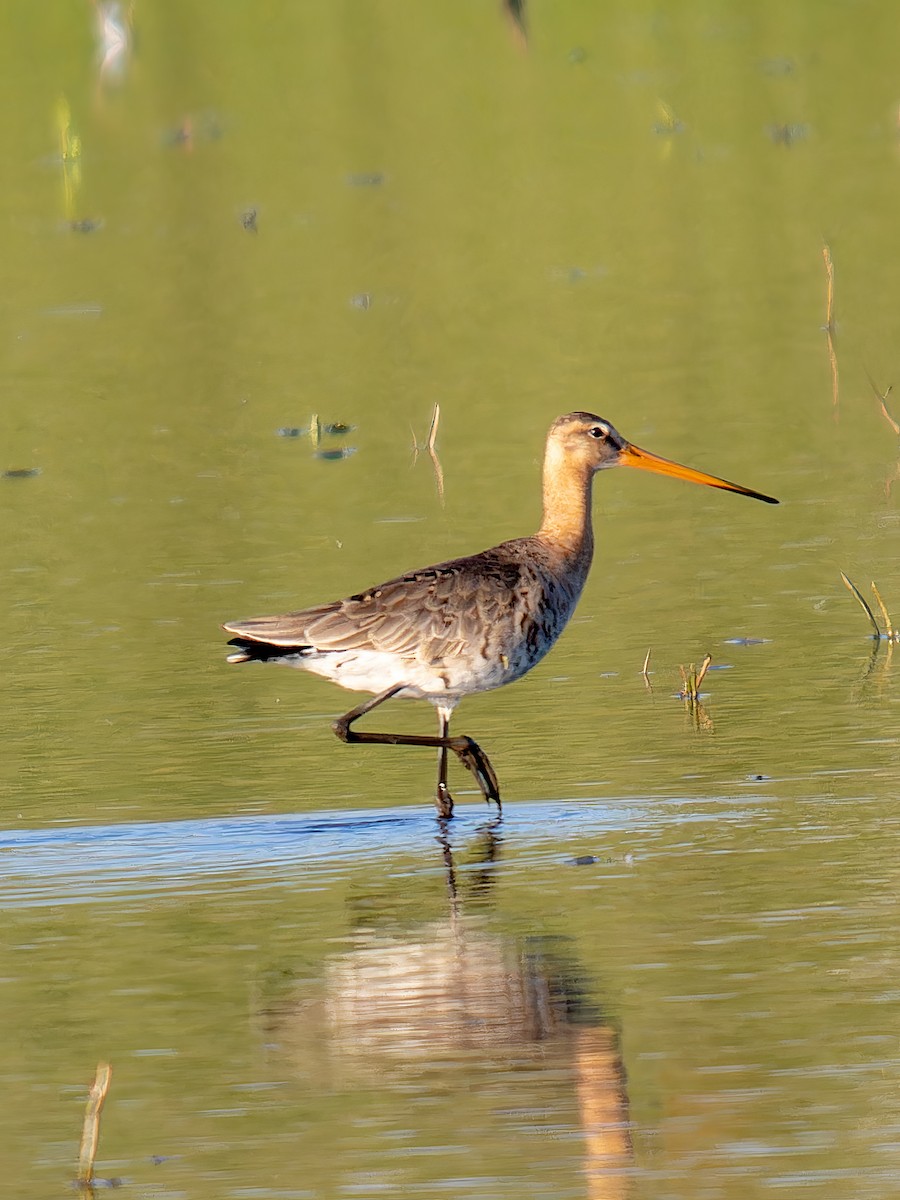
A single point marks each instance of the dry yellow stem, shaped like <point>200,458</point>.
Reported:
<point>91,1132</point>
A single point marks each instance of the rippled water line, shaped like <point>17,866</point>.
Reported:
<point>96,863</point>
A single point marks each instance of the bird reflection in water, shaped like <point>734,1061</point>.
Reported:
<point>456,995</point>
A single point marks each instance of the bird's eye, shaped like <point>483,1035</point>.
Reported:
<point>597,431</point>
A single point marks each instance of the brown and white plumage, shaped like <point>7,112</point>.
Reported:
<point>462,626</point>
<point>470,624</point>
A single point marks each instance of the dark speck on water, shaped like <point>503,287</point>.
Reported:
<point>291,431</point>
<point>21,473</point>
<point>583,860</point>
<point>746,641</point>
<point>248,220</point>
<point>86,225</point>
<point>339,452</point>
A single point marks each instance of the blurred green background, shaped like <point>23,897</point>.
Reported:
<point>218,221</point>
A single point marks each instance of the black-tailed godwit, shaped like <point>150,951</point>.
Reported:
<point>470,624</point>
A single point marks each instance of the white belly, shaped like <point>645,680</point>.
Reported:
<point>374,671</point>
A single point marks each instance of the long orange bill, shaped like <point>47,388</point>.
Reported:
<point>634,456</point>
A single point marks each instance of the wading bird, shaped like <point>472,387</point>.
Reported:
<point>469,624</point>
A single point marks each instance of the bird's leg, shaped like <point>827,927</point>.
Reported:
<point>469,753</point>
<point>443,799</point>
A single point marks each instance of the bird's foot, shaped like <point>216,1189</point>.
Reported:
<point>474,759</point>
<point>444,802</point>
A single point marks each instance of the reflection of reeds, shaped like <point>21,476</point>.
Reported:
<point>69,157</point>
<point>668,122</point>
<point>890,633</point>
<point>91,1131</point>
<point>829,323</point>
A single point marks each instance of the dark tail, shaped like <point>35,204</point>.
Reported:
<point>247,651</point>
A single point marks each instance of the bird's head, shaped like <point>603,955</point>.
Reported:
<point>586,441</point>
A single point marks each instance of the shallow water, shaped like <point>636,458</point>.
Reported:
<point>280,234</point>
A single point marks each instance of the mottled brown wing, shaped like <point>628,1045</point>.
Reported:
<point>426,614</point>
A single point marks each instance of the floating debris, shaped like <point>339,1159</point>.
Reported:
<point>669,123</point>
<point>746,641</point>
<point>20,473</point>
<point>191,130</point>
<point>362,300</point>
<point>74,310</point>
<point>181,135</point>
<point>777,67</point>
<point>248,220</point>
<point>365,179</point>
<point>786,135</point>
<point>316,429</point>
<point>86,225</point>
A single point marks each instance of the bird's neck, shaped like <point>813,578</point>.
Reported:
<point>566,525</point>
